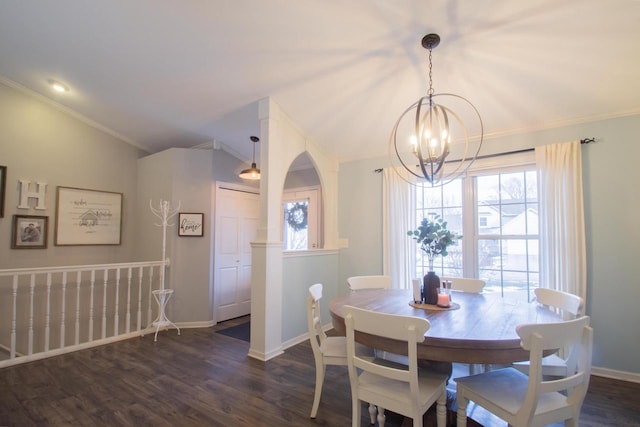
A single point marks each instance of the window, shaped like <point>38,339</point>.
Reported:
<point>496,211</point>
<point>301,229</point>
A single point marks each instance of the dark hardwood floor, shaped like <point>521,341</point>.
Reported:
<point>202,378</point>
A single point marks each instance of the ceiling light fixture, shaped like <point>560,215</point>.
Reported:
<point>427,135</point>
<point>253,172</point>
<point>58,87</point>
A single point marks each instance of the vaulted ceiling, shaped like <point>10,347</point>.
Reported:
<point>165,73</point>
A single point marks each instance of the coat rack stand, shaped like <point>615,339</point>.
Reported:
<point>163,295</point>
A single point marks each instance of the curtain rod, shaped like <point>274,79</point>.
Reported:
<point>506,153</point>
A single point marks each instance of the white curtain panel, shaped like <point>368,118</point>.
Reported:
<point>562,230</point>
<point>398,217</point>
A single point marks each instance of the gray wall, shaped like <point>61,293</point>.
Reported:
<point>612,203</point>
<point>182,177</point>
<point>41,143</point>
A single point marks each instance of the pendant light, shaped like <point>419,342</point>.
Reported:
<point>426,137</point>
<point>253,172</point>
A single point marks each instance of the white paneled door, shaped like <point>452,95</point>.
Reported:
<point>237,213</point>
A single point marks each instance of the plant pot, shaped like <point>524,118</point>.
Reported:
<point>430,286</point>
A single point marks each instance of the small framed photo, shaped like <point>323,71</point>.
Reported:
<point>30,232</point>
<point>190,224</point>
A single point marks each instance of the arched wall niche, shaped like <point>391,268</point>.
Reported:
<point>302,173</point>
<point>302,206</point>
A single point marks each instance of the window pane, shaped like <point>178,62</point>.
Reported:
<point>487,188</point>
<point>296,230</point>
<point>452,194</point>
<point>512,188</point>
<point>532,221</point>
<point>532,186</point>
<point>514,255</point>
<point>514,219</point>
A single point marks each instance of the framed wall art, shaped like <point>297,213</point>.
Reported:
<point>87,217</point>
<point>3,186</point>
<point>29,232</point>
<point>190,224</point>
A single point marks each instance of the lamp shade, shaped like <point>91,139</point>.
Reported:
<point>253,173</point>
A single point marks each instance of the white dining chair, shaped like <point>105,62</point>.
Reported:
<point>326,350</point>
<point>463,284</point>
<point>530,400</point>
<point>398,388</point>
<point>569,306</point>
<point>357,283</point>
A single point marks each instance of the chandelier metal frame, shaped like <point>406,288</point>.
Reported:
<point>431,133</point>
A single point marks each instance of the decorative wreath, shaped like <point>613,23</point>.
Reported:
<point>296,216</point>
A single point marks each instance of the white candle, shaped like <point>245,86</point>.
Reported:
<point>416,290</point>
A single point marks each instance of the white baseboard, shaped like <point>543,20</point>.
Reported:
<point>302,338</point>
<point>191,325</point>
<point>616,375</point>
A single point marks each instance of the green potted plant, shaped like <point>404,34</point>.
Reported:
<point>434,238</point>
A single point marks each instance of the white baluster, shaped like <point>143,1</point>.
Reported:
<point>32,289</point>
<point>63,310</point>
<point>47,319</point>
<point>104,304</point>
<point>116,318</point>
<point>93,281</point>
<point>12,354</point>
<point>78,280</point>
<point>129,301</point>
<point>149,297</point>
<point>140,273</point>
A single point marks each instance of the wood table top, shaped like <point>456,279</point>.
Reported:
<point>481,330</point>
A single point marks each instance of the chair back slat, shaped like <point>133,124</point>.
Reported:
<point>357,283</point>
<point>570,304</point>
<point>463,284</point>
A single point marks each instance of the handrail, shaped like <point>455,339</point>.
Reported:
<point>86,267</point>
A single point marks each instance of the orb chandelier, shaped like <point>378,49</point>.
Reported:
<point>253,172</point>
<point>428,131</point>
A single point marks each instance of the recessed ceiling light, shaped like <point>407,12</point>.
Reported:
<point>58,87</point>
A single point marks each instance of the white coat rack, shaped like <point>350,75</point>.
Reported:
<point>162,295</point>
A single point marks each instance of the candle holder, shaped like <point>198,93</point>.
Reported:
<point>444,297</point>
